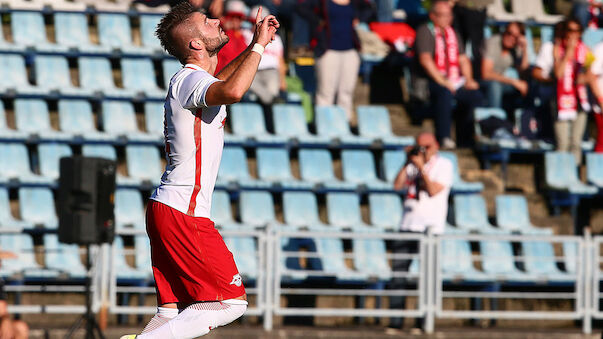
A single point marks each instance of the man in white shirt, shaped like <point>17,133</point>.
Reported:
<point>197,282</point>
<point>427,176</point>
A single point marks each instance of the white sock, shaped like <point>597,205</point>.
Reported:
<point>163,315</point>
<point>198,319</point>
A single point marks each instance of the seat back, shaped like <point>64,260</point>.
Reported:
<point>456,177</point>
<point>95,73</point>
<point>539,257</point>
<point>71,29</point>
<point>373,121</point>
<point>316,165</point>
<point>594,168</point>
<point>546,34</point>
<point>114,30</point>
<point>470,211</point>
<point>220,208</point>
<point>331,121</point>
<point>289,120</point>
<point>101,151</point>
<point>343,209</point>
<point>300,208</point>
<point>31,115</point>
<point>52,71</point>
<point>5,212</point>
<point>14,160</point>
<point>14,73</point>
<point>138,74</point>
<point>36,205</point>
<point>148,24</point>
<point>21,244</point>
<point>49,156</point>
<point>483,113</point>
<point>512,211</point>
<point>358,166</point>
<point>64,257</point>
<point>118,117</point>
<point>233,165</point>
<point>244,249</point>
<point>247,119</point>
<point>142,248</point>
<point>170,67</point>
<point>332,255</point>
<point>456,256</point>
<point>497,257</point>
<point>385,210</point>
<point>129,208</point>
<point>28,28</point>
<point>154,117</point>
<point>75,116</point>
<point>144,162</point>
<point>570,256</point>
<point>273,164</point>
<point>370,257</point>
<point>560,169</point>
<point>393,160</point>
<point>256,208</point>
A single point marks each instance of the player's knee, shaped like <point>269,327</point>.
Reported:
<point>236,309</point>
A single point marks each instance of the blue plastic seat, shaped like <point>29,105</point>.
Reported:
<point>570,256</point>
<point>76,118</point>
<point>9,134</point>
<point>101,151</point>
<point>71,30</point>
<point>561,174</point>
<point>332,122</point>
<point>458,184</point>
<point>247,120</point>
<point>129,209</point>
<point>114,30</point>
<point>234,170</point>
<point>300,209</point>
<point>343,211</point>
<point>256,208</point>
<point>64,258</point>
<point>119,119</point>
<point>273,166</point>
<point>14,76</point>
<point>15,165</point>
<point>221,212</point>
<point>370,258</point>
<point>125,272</point>
<point>591,37</point>
<point>154,119</point>
<point>482,113</point>
<point>170,67</point>
<point>540,261</point>
<point>245,252</point>
<point>512,214</point>
<point>546,34</point>
<point>498,261</point>
<point>32,116</point>
<point>392,162</point>
<point>148,25</point>
<point>142,248</point>
<point>95,74</point>
<point>7,221</point>
<point>144,164</point>
<point>385,210</point>
<point>374,122</point>
<point>36,206</point>
<point>52,74</point>
<point>49,156</point>
<point>138,75</point>
<point>470,213</point>
<point>359,168</point>
<point>594,169</point>
<point>290,122</point>
<point>457,263</point>
<point>316,166</point>
<point>332,258</point>
<point>25,263</point>
<point>28,29</point>
<point>10,46</point>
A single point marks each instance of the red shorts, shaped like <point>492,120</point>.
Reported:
<point>190,260</point>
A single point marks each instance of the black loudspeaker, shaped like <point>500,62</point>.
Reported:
<point>85,200</point>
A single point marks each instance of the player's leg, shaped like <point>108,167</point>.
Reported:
<point>164,314</point>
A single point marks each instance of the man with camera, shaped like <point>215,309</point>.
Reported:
<point>427,176</point>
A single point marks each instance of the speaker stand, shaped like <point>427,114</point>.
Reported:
<point>92,328</point>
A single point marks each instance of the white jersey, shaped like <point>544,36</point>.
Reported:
<point>194,139</point>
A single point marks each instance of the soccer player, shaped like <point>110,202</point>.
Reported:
<point>193,269</point>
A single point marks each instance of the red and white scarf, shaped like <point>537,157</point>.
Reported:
<point>594,14</point>
<point>447,53</point>
<point>570,94</point>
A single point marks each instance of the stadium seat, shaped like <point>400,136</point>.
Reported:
<point>123,270</point>
<point>374,122</point>
<point>233,170</point>
<point>300,209</point>
<point>385,210</point>
<point>561,174</point>
<point>483,113</point>
<point>247,120</point>
<point>14,76</point>
<point>129,209</point>
<point>71,30</point>
<point>7,46</point>
<point>316,166</point>
<point>221,212</point>
<point>28,30</point>
<point>7,221</point>
<point>148,25</point>
<point>592,37</point>
<point>359,167</point>
<point>119,119</point>
<point>256,208</point>
<point>144,164</point>
<point>36,206</point>
<point>95,74</point>
<point>512,214</point>
<point>540,261</point>
<point>49,157</point>
<point>154,119</point>
<point>114,30</point>
<point>8,134</point>
<point>332,259</point>
<point>25,263</point>
<point>370,258</point>
<point>594,169</point>
<point>457,261</point>
<point>138,75</point>
<point>101,151</point>
<point>530,46</point>
<point>142,248</point>
<point>245,252</point>
<point>76,118</point>
<point>498,261</point>
<point>458,184</point>
<point>290,122</point>
<point>470,214</point>
<point>63,258</point>
<point>52,74</point>
<point>273,166</point>
<point>546,34</point>
<point>332,122</point>
<point>32,116</point>
<point>392,162</point>
<point>15,165</point>
<point>534,10</point>
<point>170,67</point>
<point>343,211</point>
<point>570,256</point>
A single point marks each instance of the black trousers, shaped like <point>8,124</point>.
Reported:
<point>401,283</point>
<point>470,25</point>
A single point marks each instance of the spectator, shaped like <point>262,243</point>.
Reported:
<point>270,78</point>
<point>10,329</point>
<point>336,47</point>
<point>588,12</point>
<point>441,55</point>
<point>234,14</point>
<point>596,82</point>
<point>427,177</point>
<point>502,52</point>
<point>570,57</point>
<point>469,22</point>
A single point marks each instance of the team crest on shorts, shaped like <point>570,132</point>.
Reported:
<point>236,280</point>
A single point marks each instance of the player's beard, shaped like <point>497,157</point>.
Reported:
<point>214,45</point>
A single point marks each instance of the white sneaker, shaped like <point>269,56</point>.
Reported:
<point>448,143</point>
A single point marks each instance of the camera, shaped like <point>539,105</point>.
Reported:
<point>416,150</point>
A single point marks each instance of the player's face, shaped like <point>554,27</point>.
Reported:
<point>214,38</point>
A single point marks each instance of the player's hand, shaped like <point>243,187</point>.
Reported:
<point>265,30</point>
